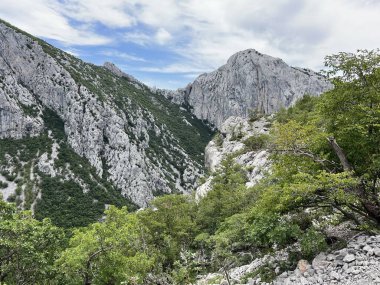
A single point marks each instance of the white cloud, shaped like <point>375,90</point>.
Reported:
<point>162,36</point>
<point>176,68</point>
<point>122,55</point>
<point>300,32</point>
<point>111,13</point>
<point>42,18</point>
<point>204,34</point>
<point>137,38</point>
<point>72,51</point>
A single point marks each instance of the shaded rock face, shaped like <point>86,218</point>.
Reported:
<point>114,139</point>
<point>249,81</point>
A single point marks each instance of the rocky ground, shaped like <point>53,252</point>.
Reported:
<point>357,264</point>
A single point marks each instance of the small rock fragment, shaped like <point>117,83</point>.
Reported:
<point>349,258</point>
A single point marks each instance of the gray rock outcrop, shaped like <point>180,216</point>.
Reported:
<point>118,72</point>
<point>230,141</point>
<point>248,82</point>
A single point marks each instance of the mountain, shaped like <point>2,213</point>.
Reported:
<point>76,137</point>
<point>249,82</point>
<point>282,190</point>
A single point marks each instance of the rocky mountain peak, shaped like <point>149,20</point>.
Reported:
<point>138,142</point>
<point>251,55</point>
<point>118,72</point>
<point>249,82</point>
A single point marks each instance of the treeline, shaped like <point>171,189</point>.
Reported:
<point>325,154</point>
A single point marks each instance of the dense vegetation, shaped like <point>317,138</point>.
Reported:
<point>325,171</point>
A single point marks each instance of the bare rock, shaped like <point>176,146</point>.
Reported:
<point>303,265</point>
<point>249,81</point>
<point>349,258</point>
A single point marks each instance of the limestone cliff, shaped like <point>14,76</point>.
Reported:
<point>248,82</point>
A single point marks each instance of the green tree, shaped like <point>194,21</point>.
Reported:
<point>327,156</point>
<point>171,225</point>
<point>108,252</point>
<point>351,111</point>
<point>28,248</point>
<point>227,196</point>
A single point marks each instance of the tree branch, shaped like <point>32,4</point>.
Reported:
<point>339,152</point>
<point>86,280</point>
<point>347,214</point>
<point>312,156</point>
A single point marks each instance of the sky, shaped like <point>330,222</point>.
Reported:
<point>168,43</point>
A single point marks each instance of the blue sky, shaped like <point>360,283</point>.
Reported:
<point>167,43</point>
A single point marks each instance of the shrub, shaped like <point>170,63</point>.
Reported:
<point>218,139</point>
<point>237,133</point>
<point>312,243</point>
<point>11,198</point>
<point>254,115</point>
<point>256,142</point>
<point>3,185</point>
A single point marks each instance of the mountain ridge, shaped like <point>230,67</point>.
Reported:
<point>135,139</point>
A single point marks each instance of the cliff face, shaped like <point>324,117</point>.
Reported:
<point>134,138</point>
<point>248,82</point>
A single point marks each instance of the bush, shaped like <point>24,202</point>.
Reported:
<point>254,115</point>
<point>312,243</point>
<point>218,139</point>
<point>237,133</point>
<point>256,142</point>
<point>11,198</point>
<point>3,185</point>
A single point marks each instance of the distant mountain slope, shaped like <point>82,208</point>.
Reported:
<point>248,82</point>
<point>77,135</point>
